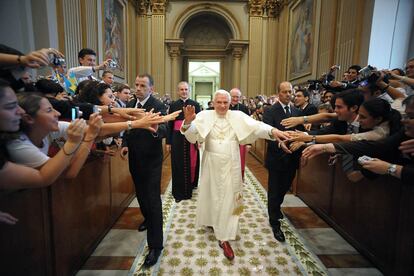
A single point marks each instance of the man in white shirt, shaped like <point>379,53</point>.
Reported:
<point>87,60</point>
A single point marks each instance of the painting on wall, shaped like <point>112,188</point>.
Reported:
<point>114,35</point>
<point>301,38</point>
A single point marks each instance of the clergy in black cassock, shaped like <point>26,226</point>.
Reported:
<point>184,155</point>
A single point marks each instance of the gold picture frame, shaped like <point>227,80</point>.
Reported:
<point>114,31</point>
<point>302,39</point>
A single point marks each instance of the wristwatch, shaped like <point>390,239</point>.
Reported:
<point>392,169</point>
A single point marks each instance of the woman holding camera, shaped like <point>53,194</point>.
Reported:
<point>17,175</point>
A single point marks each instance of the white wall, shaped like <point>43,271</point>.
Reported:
<point>16,25</point>
<point>392,25</point>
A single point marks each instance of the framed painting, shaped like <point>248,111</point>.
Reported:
<point>114,35</point>
<point>301,38</point>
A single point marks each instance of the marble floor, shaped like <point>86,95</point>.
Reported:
<point>115,254</point>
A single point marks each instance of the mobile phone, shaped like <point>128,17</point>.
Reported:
<point>75,113</point>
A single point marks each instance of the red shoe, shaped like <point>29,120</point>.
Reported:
<point>228,252</point>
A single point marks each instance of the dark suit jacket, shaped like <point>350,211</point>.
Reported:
<point>276,158</point>
<point>240,107</point>
<point>143,140</point>
<point>310,109</point>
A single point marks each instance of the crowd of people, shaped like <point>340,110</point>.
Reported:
<point>49,127</point>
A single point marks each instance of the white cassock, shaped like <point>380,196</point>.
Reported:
<point>221,182</point>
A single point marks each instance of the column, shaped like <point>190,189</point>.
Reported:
<point>157,44</point>
<point>237,55</point>
<point>256,8</point>
<point>174,46</point>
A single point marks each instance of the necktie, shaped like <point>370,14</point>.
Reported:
<point>287,111</point>
<point>139,105</point>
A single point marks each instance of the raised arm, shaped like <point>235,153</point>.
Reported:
<point>316,118</point>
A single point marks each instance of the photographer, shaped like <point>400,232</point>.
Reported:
<point>408,79</point>
<point>14,65</point>
<point>87,60</point>
<point>376,84</point>
<point>350,83</point>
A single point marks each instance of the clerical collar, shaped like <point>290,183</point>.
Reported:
<point>235,106</point>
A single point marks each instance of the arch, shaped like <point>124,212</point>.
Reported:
<point>214,8</point>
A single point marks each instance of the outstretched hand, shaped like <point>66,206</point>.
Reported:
<point>280,135</point>
<point>291,122</point>
<point>149,121</point>
<point>130,113</point>
<point>171,116</point>
<point>39,58</point>
<point>7,218</point>
<point>189,114</point>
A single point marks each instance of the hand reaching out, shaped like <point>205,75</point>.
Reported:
<point>407,147</point>
<point>171,116</point>
<point>292,122</point>
<point>280,135</point>
<point>7,218</point>
<point>94,126</point>
<point>39,58</point>
<point>130,113</point>
<point>149,121</point>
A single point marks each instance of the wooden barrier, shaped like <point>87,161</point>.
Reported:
<point>258,150</point>
<point>60,226</point>
<point>375,216</point>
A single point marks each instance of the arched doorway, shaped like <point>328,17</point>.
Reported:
<point>206,35</point>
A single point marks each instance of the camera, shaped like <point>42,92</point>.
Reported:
<point>370,75</point>
<point>56,61</point>
<point>112,64</point>
<point>363,159</point>
<point>314,84</point>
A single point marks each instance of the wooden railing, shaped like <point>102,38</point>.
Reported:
<point>60,226</point>
<point>375,216</point>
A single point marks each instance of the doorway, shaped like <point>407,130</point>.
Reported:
<point>204,79</point>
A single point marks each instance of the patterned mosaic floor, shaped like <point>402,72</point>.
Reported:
<point>189,250</point>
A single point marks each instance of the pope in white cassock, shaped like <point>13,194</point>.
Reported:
<point>220,197</point>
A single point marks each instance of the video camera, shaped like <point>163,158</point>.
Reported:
<point>325,79</point>
<point>370,75</point>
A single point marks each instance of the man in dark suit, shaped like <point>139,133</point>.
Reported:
<point>302,102</point>
<point>145,164</point>
<point>280,165</point>
<point>184,155</point>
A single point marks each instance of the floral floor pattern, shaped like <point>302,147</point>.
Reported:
<point>189,250</point>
